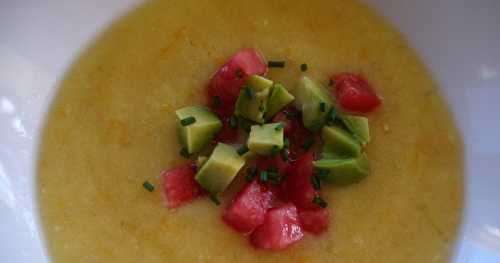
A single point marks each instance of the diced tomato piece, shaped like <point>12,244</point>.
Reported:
<point>281,229</point>
<point>247,210</point>
<point>227,81</point>
<point>266,162</point>
<point>314,221</point>
<point>294,130</point>
<point>179,185</point>
<point>298,182</point>
<point>354,93</point>
<point>227,134</point>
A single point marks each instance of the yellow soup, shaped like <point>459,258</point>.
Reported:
<point>112,127</point>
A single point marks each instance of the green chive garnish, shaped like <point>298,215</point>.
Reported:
<point>290,114</point>
<point>245,124</point>
<point>242,150</point>
<point>279,127</point>
<point>274,177</point>
<point>332,114</point>
<point>276,64</point>
<point>249,92</point>
<point>188,121</point>
<point>233,122</point>
<point>251,173</point>
<point>214,199</point>
<point>216,101</point>
<point>315,182</point>
<point>321,173</point>
<point>308,143</point>
<point>263,176</point>
<point>286,142</point>
<point>284,155</point>
<point>148,186</point>
<point>272,169</point>
<point>275,150</point>
<point>184,153</point>
<point>322,106</point>
<point>316,126</point>
<point>303,67</point>
<point>320,202</point>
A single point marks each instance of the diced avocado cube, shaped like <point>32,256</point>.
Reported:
<point>197,126</point>
<point>220,169</point>
<point>279,98</point>
<point>339,143</point>
<point>265,139</point>
<point>314,101</point>
<point>359,127</point>
<point>344,171</point>
<point>259,83</point>
<point>252,101</point>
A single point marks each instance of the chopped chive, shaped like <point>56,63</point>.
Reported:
<point>272,169</point>
<point>249,92</point>
<point>263,176</point>
<point>242,150</point>
<point>322,106</point>
<point>216,101</point>
<point>321,173</point>
<point>274,177</point>
<point>261,108</point>
<point>272,174</point>
<point>214,199</point>
<point>279,127</point>
<point>303,67</point>
<point>284,155</point>
<point>184,153</point>
<point>332,114</point>
<point>316,126</point>
<point>233,122</point>
<point>188,121</point>
<point>315,182</point>
<point>290,114</point>
<point>320,202</point>
<point>276,64</point>
<point>276,181</point>
<point>148,186</point>
<point>308,143</point>
<point>286,142</point>
<point>245,124</point>
<point>251,173</point>
<point>275,150</point>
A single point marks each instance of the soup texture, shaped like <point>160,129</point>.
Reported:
<point>112,127</point>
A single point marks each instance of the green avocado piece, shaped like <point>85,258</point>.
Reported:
<point>339,143</point>
<point>220,169</point>
<point>198,133</point>
<point>259,83</point>
<point>252,101</point>
<point>344,171</point>
<point>263,138</point>
<point>279,98</point>
<point>359,127</point>
<point>314,101</point>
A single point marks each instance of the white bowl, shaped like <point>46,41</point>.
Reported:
<point>458,40</point>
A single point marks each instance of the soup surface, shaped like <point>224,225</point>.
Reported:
<point>112,127</point>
